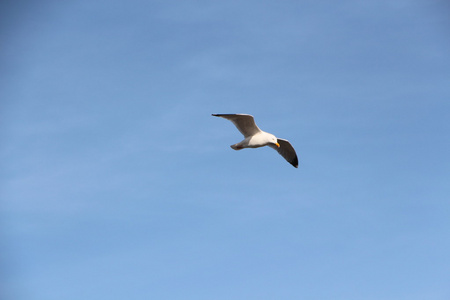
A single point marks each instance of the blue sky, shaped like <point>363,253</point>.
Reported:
<point>118,184</point>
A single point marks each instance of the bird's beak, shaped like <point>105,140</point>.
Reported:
<point>278,145</point>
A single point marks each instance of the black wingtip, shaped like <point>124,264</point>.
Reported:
<point>295,162</point>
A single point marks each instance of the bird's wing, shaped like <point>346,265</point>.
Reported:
<point>287,151</point>
<point>244,123</point>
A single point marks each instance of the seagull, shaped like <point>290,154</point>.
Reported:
<point>255,137</point>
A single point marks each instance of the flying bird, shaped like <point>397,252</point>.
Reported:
<point>255,137</point>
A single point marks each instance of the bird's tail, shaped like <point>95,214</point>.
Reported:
<point>236,147</point>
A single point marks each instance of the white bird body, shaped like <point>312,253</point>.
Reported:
<point>255,137</point>
<point>260,139</point>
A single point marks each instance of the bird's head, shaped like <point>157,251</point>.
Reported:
<point>274,140</point>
